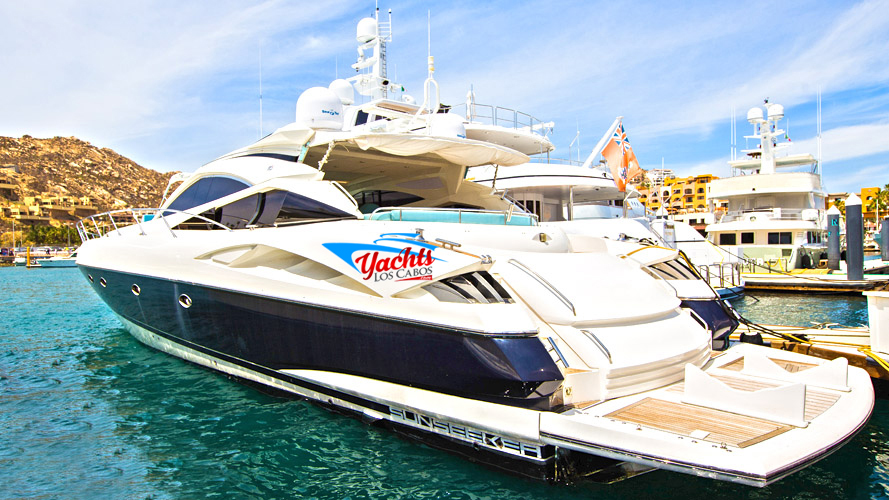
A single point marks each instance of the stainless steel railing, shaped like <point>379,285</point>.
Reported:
<point>502,117</point>
<point>111,222</point>
<point>723,275</point>
<point>772,214</point>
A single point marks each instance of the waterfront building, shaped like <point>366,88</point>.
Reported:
<point>683,199</point>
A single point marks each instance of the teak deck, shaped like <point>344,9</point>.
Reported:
<point>693,421</point>
<point>817,400</point>
<point>791,366</point>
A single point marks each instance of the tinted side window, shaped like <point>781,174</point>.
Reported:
<point>206,189</point>
<point>786,238</point>
<point>238,214</point>
<point>781,238</point>
<point>386,198</point>
<point>728,239</point>
<point>281,207</point>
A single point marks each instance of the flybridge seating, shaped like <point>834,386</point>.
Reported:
<point>453,215</point>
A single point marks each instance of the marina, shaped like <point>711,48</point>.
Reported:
<point>408,295</point>
<point>346,259</point>
<point>89,411</point>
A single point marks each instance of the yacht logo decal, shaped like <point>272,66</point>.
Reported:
<point>378,262</point>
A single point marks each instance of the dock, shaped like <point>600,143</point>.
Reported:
<point>852,343</point>
<point>814,280</point>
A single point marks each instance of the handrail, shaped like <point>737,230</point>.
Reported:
<point>564,361</point>
<point>771,214</point>
<point>734,274</point>
<point>136,216</point>
<point>503,117</point>
<point>665,280</point>
<point>503,194</point>
<point>592,336</point>
<point>546,284</point>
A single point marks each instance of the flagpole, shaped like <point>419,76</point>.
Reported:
<point>601,144</point>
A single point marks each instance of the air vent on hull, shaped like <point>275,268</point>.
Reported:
<point>470,288</point>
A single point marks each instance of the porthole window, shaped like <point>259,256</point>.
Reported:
<point>103,282</point>
<point>185,301</point>
<point>136,290</point>
<point>90,277</point>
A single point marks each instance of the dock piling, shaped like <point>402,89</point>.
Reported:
<point>884,240</point>
<point>854,239</point>
<point>833,238</point>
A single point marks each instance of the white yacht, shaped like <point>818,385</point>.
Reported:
<point>719,267</point>
<point>776,220</point>
<point>449,314</point>
<point>580,198</point>
<point>60,261</point>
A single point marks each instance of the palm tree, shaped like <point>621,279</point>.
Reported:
<point>841,205</point>
<point>880,201</point>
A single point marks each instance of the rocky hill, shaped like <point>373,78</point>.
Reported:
<point>67,166</point>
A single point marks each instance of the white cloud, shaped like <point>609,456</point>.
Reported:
<point>846,143</point>
<point>166,80</point>
<point>115,71</point>
<point>852,179</point>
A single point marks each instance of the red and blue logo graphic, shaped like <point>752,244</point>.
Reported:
<point>379,262</point>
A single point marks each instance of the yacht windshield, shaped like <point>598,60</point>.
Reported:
<point>206,190</point>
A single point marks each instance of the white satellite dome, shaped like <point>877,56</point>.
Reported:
<point>367,30</point>
<point>776,112</point>
<point>343,90</point>
<point>754,115</point>
<point>320,108</point>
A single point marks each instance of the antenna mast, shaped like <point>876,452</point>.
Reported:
<point>260,89</point>
<point>818,119</point>
<point>734,132</point>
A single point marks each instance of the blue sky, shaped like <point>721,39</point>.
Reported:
<point>174,84</point>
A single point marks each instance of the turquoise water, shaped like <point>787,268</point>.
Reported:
<point>802,309</point>
<point>88,412</point>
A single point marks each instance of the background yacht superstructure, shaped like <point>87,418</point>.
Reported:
<point>774,218</point>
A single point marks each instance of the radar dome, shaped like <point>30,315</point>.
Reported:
<point>367,30</point>
<point>776,111</point>
<point>343,90</point>
<point>754,115</point>
<point>447,125</point>
<point>320,108</point>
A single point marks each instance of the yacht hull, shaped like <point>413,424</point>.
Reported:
<point>591,442</point>
<point>512,454</point>
<point>275,334</point>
